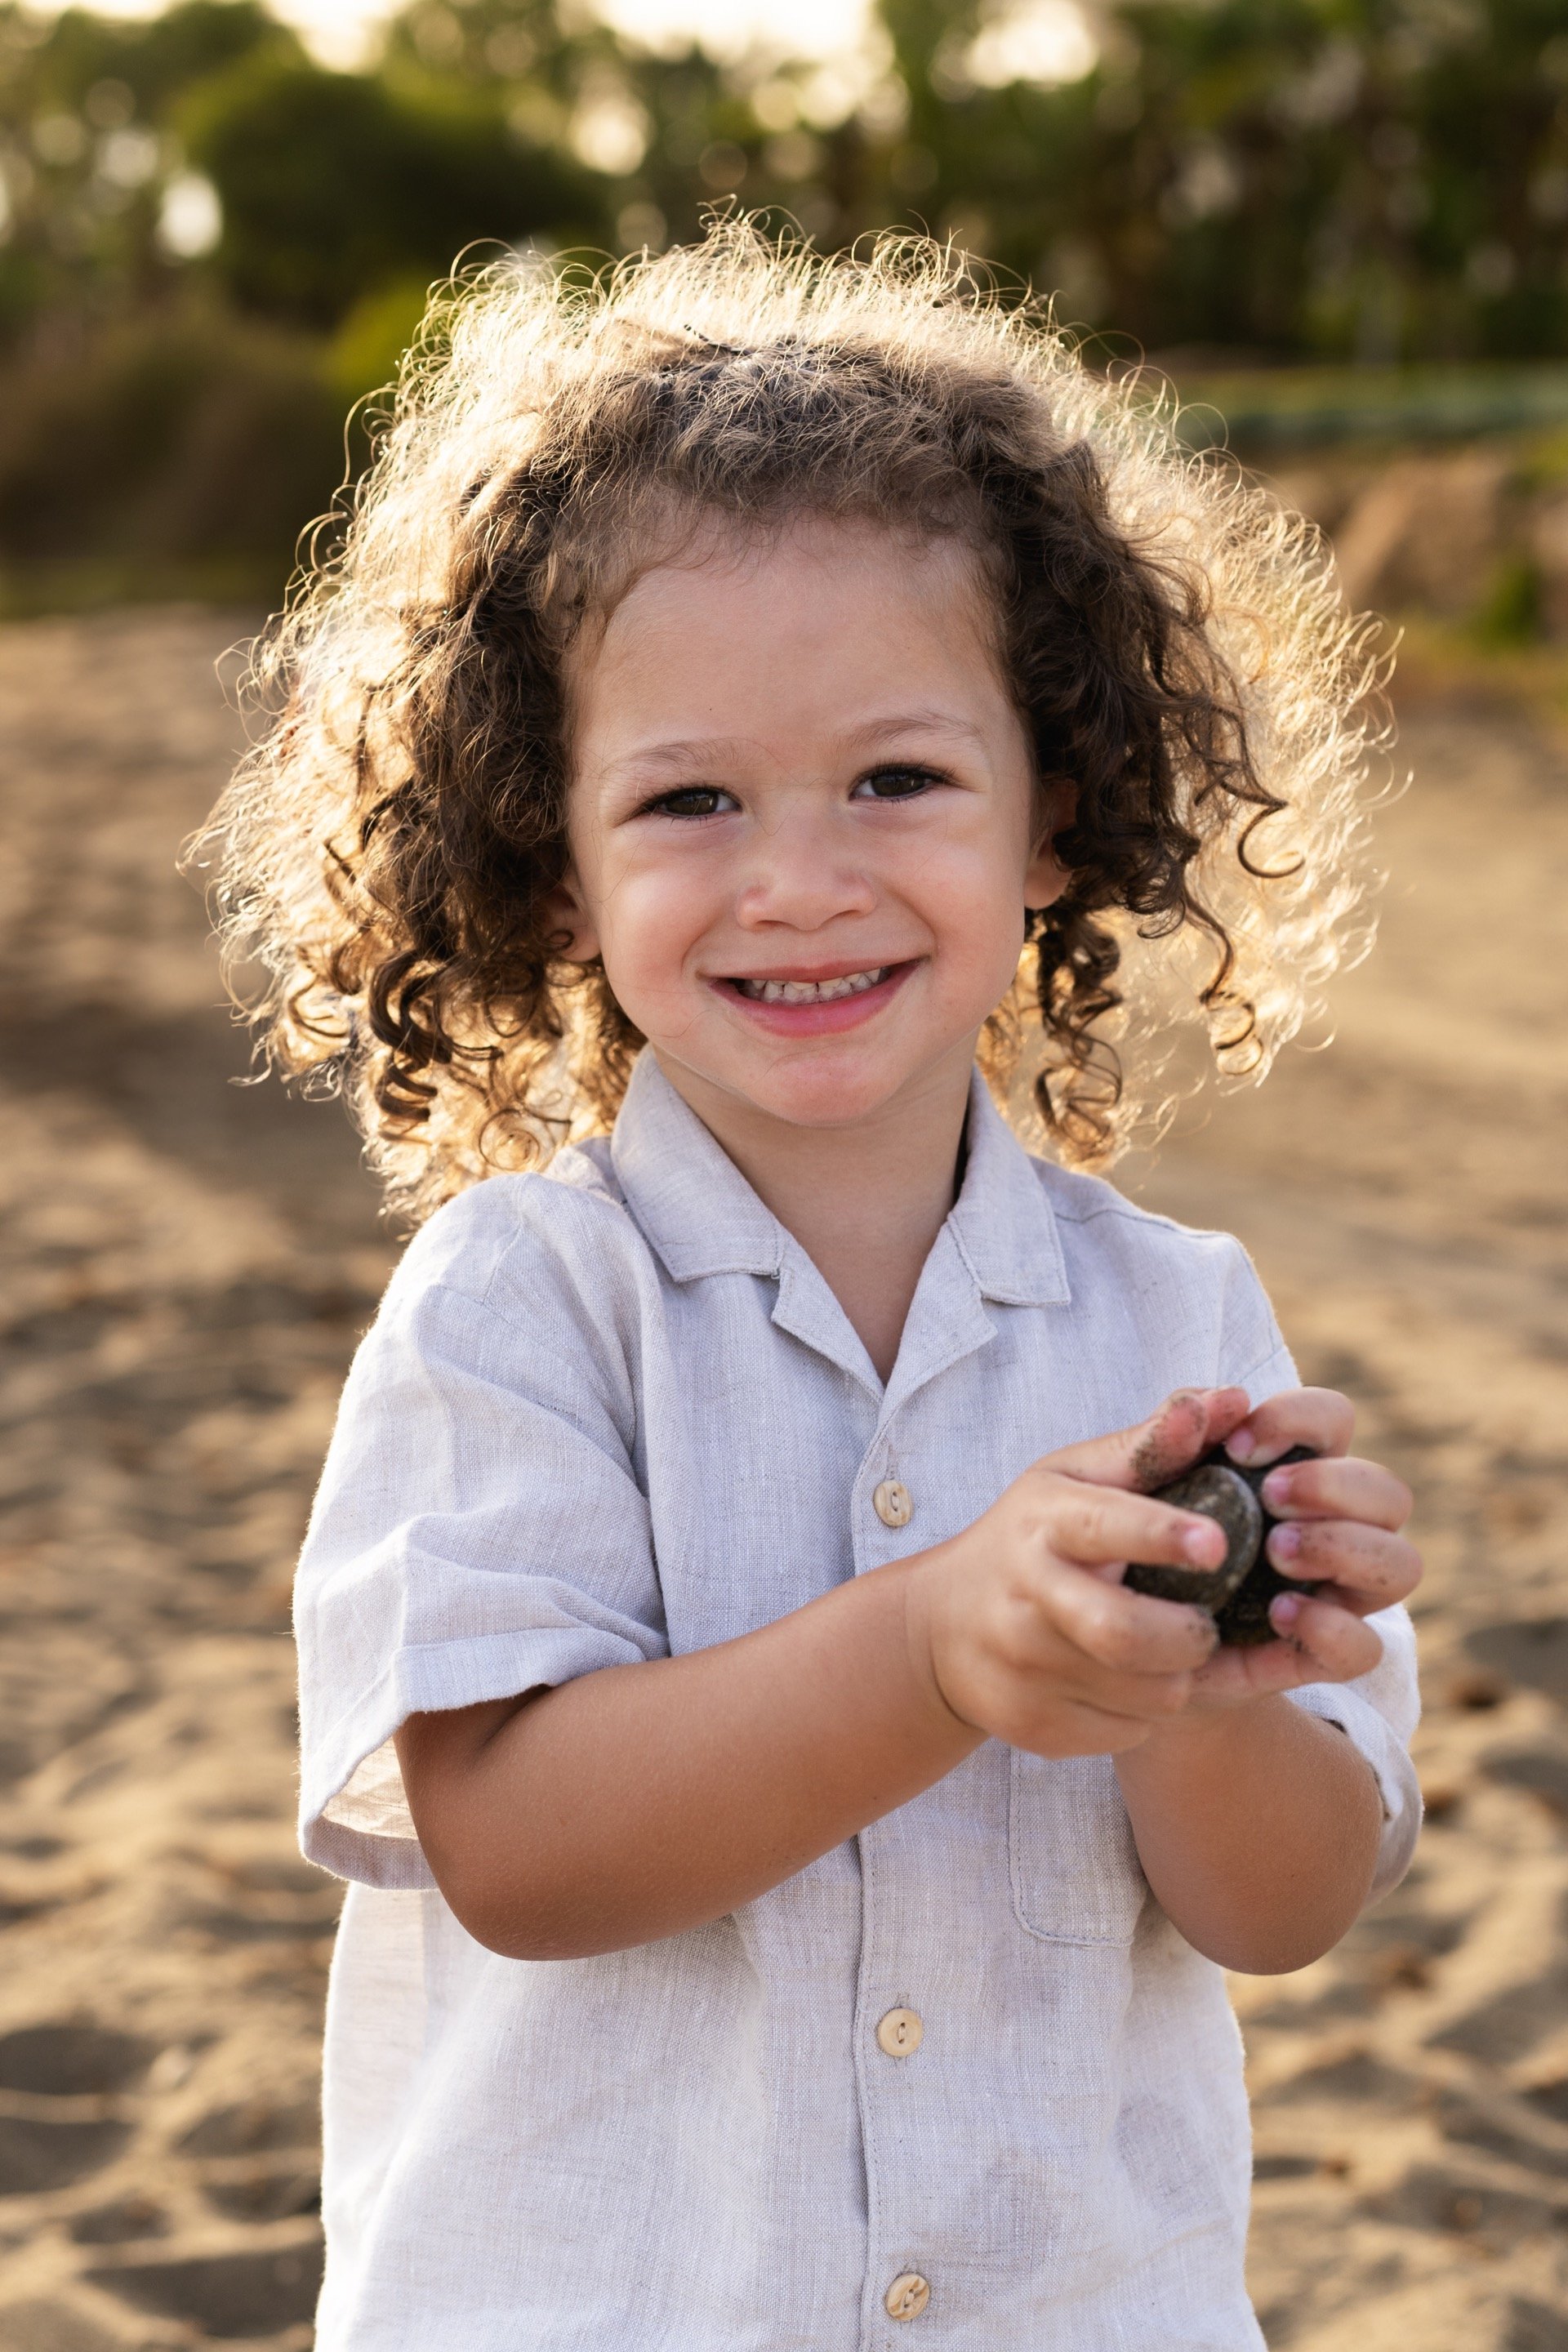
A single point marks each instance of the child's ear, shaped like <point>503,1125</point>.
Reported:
<point>571,929</point>
<point>1046,877</point>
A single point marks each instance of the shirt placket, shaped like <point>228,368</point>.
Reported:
<point>896,2022</point>
<point>893,1515</point>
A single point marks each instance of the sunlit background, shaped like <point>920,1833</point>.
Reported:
<point>218,220</point>
<point>346,33</point>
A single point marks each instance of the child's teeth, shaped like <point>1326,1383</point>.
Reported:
<point>812,991</point>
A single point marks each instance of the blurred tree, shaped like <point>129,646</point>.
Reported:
<point>1379,179</point>
<point>163,453</point>
<point>85,146</point>
<point>1365,178</point>
<point>334,184</point>
<point>209,243</point>
<point>669,130</point>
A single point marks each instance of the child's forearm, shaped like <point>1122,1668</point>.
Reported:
<point>644,1799</point>
<point>1257,1828</point>
<point>641,1800</point>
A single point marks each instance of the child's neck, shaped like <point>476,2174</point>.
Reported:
<point>865,1203</point>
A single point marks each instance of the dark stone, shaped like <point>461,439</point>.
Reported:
<point>266,2196</point>
<point>1551,2098</point>
<point>1430,2198</point>
<point>1220,1493</point>
<point>1537,1769</point>
<point>1533,2327</point>
<point>1238,1595</point>
<point>1358,2076</point>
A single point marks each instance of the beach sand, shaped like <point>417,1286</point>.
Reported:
<point>188,1265</point>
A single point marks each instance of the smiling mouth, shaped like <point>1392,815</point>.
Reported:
<point>812,991</point>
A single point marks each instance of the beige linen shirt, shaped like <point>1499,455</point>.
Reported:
<point>614,1412</point>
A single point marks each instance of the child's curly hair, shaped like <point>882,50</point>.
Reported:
<point>1175,643</point>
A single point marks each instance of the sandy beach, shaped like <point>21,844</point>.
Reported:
<point>187,1262</point>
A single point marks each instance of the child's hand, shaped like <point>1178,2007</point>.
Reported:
<point>1031,1637</point>
<point>1344,1519</point>
<point>1023,1621</point>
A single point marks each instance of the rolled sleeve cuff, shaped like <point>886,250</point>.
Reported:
<point>353,1815</point>
<point>1397,1785</point>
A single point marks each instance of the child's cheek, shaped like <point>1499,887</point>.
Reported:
<point>654,918</point>
<point>971,893</point>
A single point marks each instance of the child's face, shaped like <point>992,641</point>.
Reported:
<point>804,821</point>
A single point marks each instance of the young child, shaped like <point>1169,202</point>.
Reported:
<point>791,1873</point>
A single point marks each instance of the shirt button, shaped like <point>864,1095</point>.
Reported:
<point>908,2296</point>
<point>892,1505</point>
<point>900,2033</point>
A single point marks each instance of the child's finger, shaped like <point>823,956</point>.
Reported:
<point>1346,1488</point>
<point>1125,1632</point>
<point>1367,1568</point>
<point>1320,1418</point>
<point>1098,1526</point>
<point>1255,1670</point>
<point>1144,1456</point>
<point>1336,1645</point>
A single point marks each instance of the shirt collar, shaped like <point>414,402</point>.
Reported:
<point>702,1217</point>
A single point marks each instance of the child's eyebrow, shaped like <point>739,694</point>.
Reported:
<point>696,753</point>
<point>916,723</point>
<point>681,757</point>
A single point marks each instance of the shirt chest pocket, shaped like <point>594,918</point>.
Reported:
<point>1076,1874</point>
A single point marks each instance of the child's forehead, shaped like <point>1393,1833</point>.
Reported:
<point>708,567</point>
<point>827,596</point>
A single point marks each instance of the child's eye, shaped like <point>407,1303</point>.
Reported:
<point>895,783</point>
<point>692,800</point>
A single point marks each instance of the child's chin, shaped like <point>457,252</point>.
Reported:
<point>823,1096</point>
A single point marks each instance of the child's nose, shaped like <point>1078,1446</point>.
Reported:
<point>802,876</point>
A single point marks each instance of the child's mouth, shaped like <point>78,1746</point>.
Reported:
<point>812,991</point>
<point>808,1008</point>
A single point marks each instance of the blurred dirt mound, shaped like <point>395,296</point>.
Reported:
<point>1424,532</point>
<point>1474,534</point>
<point>188,1265</point>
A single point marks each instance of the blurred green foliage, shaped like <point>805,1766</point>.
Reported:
<point>331,183</point>
<point>206,235</point>
<point>162,454</point>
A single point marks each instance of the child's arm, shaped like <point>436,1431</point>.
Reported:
<point>1247,1816</point>
<point>640,1800</point>
<point>1259,1832</point>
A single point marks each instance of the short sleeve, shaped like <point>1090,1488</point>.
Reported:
<point>1378,1712</point>
<point>479,1531</point>
<point>1253,1354</point>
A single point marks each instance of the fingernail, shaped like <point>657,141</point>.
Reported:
<point>1241,1445</point>
<point>1278,1488</point>
<point>1284,1609</point>
<point>1199,1543</point>
<point>1284,1543</point>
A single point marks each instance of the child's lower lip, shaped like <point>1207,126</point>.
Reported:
<point>821,1020</point>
